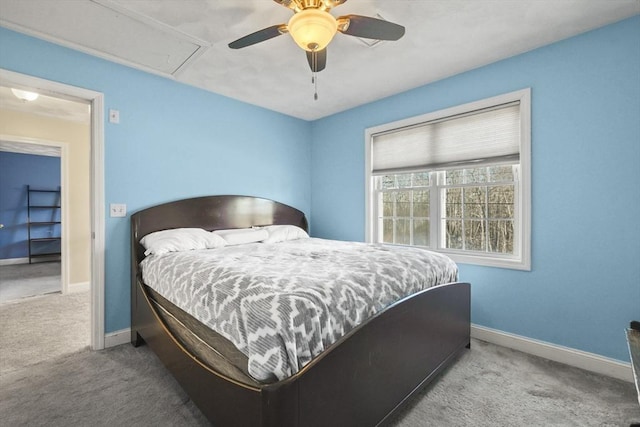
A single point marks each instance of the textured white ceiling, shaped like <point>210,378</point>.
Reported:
<point>46,105</point>
<point>443,38</point>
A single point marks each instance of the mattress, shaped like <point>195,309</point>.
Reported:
<point>207,346</point>
<point>282,304</point>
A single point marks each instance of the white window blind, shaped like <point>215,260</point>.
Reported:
<point>474,138</point>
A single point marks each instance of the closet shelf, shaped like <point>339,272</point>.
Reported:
<point>46,200</point>
<point>47,254</point>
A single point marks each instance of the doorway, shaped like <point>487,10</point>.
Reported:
<point>96,102</point>
<point>30,220</point>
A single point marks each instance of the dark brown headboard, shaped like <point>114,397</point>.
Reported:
<point>210,213</point>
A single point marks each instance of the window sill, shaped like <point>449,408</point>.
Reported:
<point>488,261</point>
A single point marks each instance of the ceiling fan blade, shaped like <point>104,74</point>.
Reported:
<point>370,28</point>
<point>258,36</point>
<point>319,62</point>
<point>333,3</point>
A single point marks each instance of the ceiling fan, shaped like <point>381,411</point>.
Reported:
<point>313,27</point>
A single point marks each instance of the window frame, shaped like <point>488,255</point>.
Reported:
<point>521,260</point>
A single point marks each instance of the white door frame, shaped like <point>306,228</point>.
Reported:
<point>96,99</point>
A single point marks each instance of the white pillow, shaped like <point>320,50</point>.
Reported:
<point>281,233</point>
<point>180,239</point>
<point>241,236</point>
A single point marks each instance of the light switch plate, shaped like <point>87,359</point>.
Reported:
<point>114,116</point>
<point>117,210</point>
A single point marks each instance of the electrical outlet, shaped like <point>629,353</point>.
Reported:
<point>117,210</point>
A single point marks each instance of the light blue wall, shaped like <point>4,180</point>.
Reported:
<point>173,141</point>
<point>16,172</point>
<point>584,286</point>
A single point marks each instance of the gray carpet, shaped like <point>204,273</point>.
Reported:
<point>488,386</point>
<point>38,329</point>
<point>122,386</point>
<point>496,386</point>
<point>25,280</point>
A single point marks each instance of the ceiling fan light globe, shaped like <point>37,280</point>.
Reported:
<point>312,29</point>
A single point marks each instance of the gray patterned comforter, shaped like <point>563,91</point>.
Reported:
<point>282,304</point>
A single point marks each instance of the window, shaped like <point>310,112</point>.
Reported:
<point>455,181</point>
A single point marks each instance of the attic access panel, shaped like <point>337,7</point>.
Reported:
<point>106,30</point>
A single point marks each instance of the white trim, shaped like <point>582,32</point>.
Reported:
<point>79,287</point>
<point>98,222</point>
<point>64,216</point>
<point>14,261</point>
<point>120,337</point>
<point>521,261</point>
<point>369,208</point>
<point>96,99</point>
<point>203,45</point>
<point>525,179</point>
<point>569,356</point>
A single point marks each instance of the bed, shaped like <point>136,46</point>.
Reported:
<point>361,379</point>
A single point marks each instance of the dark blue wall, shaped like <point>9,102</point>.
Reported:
<point>16,172</point>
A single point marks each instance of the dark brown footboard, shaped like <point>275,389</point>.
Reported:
<point>361,380</point>
<point>370,373</point>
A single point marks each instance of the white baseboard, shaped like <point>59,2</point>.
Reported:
<point>569,356</point>
<point>12,261</point>
<point>79,287</point>
<point>120,337</point>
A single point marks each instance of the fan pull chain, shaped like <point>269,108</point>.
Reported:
<point>314,73</point>
<point>315,86</point>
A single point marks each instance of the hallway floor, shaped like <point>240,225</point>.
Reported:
<point>19,281</point>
